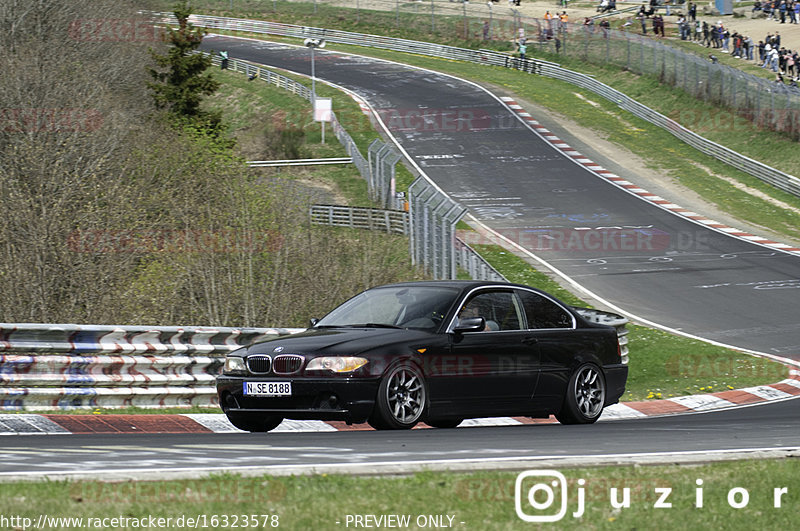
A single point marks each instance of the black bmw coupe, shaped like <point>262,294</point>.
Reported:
<point>436,352</point>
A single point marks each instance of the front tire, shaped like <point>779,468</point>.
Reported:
<point>401,400</point>
<point>585,397</point>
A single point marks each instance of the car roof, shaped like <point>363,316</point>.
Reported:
<point>464,285</point>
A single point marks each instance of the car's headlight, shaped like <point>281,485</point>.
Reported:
<point>336,363</point>
<point>234,365</point>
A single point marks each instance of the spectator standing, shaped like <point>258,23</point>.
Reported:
<point>706,34</point>
<point>563,18</point>
<point>782,11</point>
<point>605,25</point>
<point>658,25</point>
<point>788,63</point>
<point>772,57</point>
<point>683,27</point>
<point>693,12</point>
<point>643,19</point>
<point>548,18</point>
<point>796,11</point>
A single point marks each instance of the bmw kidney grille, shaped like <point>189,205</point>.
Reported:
<point>287,364</point>
<point>259,364</point>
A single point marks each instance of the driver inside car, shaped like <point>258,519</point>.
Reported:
<point>471,310</point>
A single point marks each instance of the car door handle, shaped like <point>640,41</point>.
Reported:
<point>530,340</point>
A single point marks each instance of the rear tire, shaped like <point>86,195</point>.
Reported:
<point>444,424</point>
<point>401,399</point>
<point>585,397</point>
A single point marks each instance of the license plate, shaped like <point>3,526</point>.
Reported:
<point>268,388</point>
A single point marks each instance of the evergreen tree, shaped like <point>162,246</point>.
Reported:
<point>181,81</point>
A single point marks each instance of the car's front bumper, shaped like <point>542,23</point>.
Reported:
<point>347,399</point>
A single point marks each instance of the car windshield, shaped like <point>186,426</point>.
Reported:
<point>422,307</point>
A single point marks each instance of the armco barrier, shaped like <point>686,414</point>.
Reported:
<point>389,221</point>
<point>777,178</point>
<point>66,366</point>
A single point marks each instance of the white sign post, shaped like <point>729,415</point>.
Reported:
<point>323,112</point>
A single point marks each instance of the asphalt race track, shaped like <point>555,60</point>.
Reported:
<point>687,277</point>
<point>741,432</point>
<point>674,272</point>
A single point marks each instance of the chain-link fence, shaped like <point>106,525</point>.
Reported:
<point>383,159</point>
<point>433,228</point>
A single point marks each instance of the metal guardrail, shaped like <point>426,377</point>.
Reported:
<point>298,162</point>
<point>59,367</point>
<point>777,178</point>
<point>68,366</point>
<point>474,264</point>
<point>389,221</point>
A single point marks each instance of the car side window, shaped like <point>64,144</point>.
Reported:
<point>499,308</point>
<point>541,312</point>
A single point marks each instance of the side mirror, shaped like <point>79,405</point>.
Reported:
<point>313,322</point>
<point>472,324</point>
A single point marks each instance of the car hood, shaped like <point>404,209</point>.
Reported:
<point>338,341</point>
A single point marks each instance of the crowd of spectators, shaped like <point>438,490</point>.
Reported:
<point>779,10</point>
<point>767,53</point>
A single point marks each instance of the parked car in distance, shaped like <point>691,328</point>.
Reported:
<point>436,352</point>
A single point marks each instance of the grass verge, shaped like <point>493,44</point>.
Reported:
<point>483,500</point>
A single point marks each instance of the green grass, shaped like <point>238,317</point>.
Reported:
<point>483,500</point>
<point>253,108</point>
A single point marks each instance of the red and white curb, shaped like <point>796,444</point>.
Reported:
<point>30,424</point>
<point>618,181</point>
